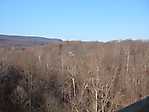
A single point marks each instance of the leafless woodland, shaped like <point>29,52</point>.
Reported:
<point>74,76</point>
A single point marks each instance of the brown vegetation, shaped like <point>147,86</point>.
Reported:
<point>74,76</point>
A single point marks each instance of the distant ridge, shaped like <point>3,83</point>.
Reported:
<point>25,41</point>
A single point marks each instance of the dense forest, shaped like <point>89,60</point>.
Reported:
<point>74,76</point>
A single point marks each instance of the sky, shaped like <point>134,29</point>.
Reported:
<point>94,20</point>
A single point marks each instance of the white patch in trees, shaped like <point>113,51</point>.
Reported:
<point>127,65</point>
<point>70,53</point>
<point>74,89</point>
<point>39,58</point>
<point>47,65</point>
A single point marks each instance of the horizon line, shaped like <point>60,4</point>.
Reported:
<point>63,39</point>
